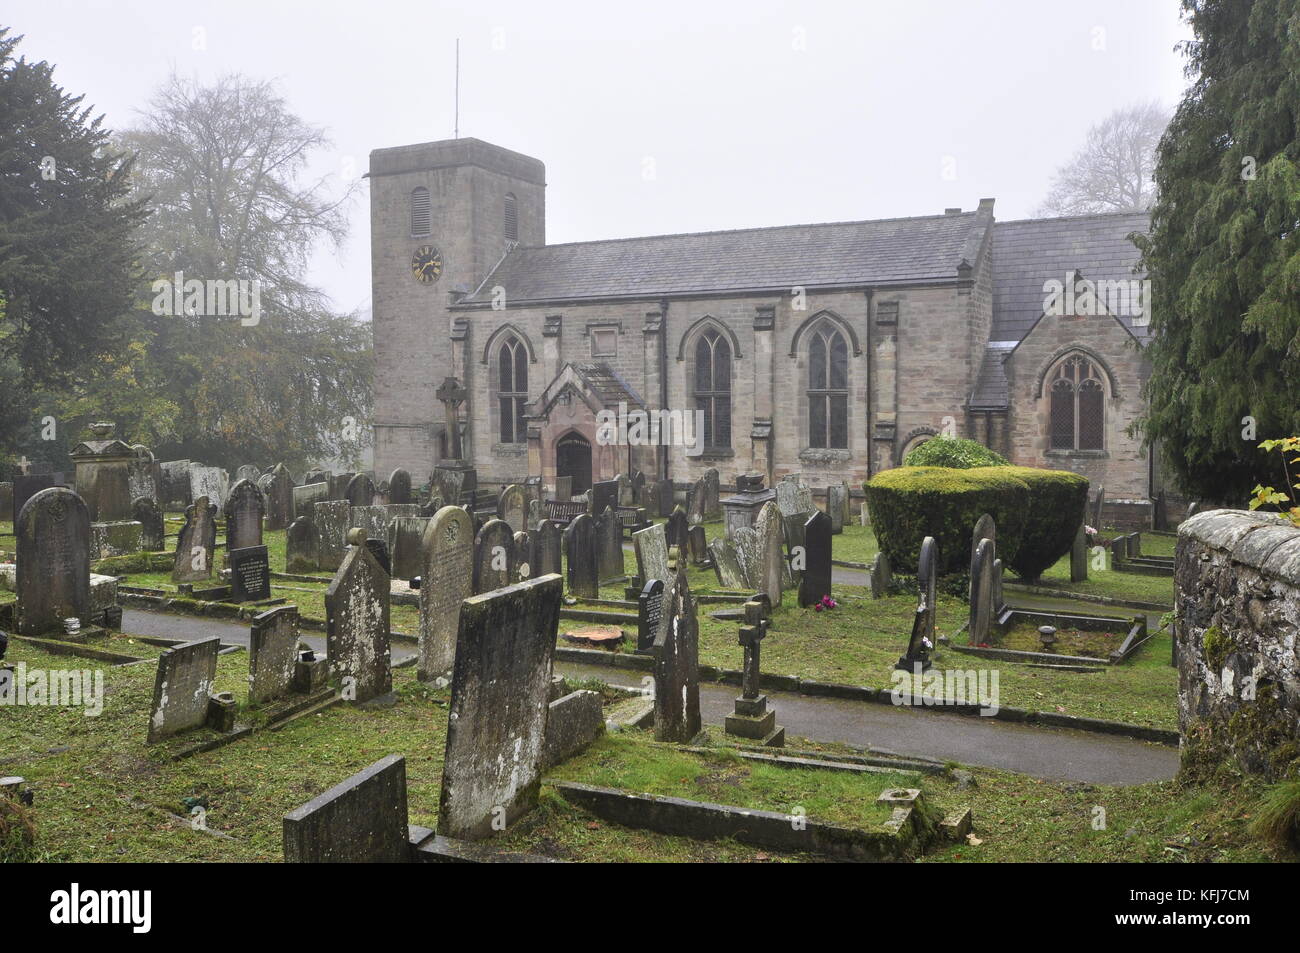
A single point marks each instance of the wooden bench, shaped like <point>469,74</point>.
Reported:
<point>563,512</point>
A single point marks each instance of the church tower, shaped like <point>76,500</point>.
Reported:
<point>442,214</point>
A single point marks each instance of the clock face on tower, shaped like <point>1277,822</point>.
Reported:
<point>426,264</point>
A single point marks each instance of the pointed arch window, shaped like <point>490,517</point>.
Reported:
<point>421,213</point>
<point>828,389</point>
<point>511,218</point>
<point>512,389</point>
<point>713,388</point>
<point>1077,416</point>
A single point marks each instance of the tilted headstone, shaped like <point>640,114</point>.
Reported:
<point>196,543</point>
<point>53,550</point>
<point>837,495</point>
<point>815,581</point>
<point>272,654</point>
<point>676,669</point>
<point>1079,556</point>
<point>882,578</point>
<point>250,574</point>
<point>399,487</point>
<point>446,580</point>
<point>245,509</point>
<point>548,548</point>
<point>332,520</point>
<point>749,553</point>
<point>496,727</point>
<point>981,592</point>
<point>360,491</point>
<point>771,556</point>
<point>306,497</point>
<point>405,536</point>
<point>356,624</point>
<point>494,556</point>
<point>181,688</point>
<point>649,614</point>
<point>609,545</point>
<point>302,546</point>
<point>212,482</point>
<point>512,507</point>
<point>153,532</point>
<point>726,564</point>
<point>921,642</point>
<point>695,509</point>
<point>651,548</point>
<point>280,508</point>
<point>580,557</point>
<point>361,821</point>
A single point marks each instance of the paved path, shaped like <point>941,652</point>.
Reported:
<point>1055,753</point>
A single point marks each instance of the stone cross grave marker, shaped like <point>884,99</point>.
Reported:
<point>752,719</point>
<point>816,579</point>
<point>446,580</point>
<point>53,553</point>
<point>505,644</point>
<point>356,624</point>
<point>272,654</point>
<point>196,542</point>
<point>181,688</point>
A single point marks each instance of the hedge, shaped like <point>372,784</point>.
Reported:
<point>1057,500</point>
<point>956,452</point>
<point>909,503</point>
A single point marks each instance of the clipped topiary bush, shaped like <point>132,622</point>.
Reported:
<point>1057,500</point>
<point>955,452</point>
<point>910,503</point>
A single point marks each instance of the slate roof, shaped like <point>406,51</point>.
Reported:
<point>826,255</point>
<point>992,392</point>
<point>1030,252</point>
<point>608,386</point>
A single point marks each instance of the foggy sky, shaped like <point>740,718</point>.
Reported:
<point>750,113</point>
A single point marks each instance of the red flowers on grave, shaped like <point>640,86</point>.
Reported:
<point>826,603</point>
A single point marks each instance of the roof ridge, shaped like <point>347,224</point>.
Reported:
<point>1067,218</point>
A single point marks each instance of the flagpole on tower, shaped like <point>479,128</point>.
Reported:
<point>456,132</point>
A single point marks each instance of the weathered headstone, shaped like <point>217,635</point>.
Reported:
<point>27,485</point>
<point>53,572</point>
<point>771,556</point>
<point>921,642</point>
<point>837,495</point>
<point>143,477</point>
<point>651,548</point>
<point>625,495</point>
<point>212,482</point>
<point>399,487</point>
<point>524,563</point>
<point>677,526</point>
<point>726,564</point>
<point>153,534</point>
<point>332,518</point>
<point>1079,556</point>
<point>712,494</point>
<point>405,536</point>
<point>496,728</point>
<point>103,477</point>
<point>356,624</point>
<point>697,545</point>
<point>181,688</point>
<point>603,494</point>
<point>609,545</point>
<point>301,546</point>
<point>534,515</point>
<point>250,574</point>
<point>360,491</point>
<point>306,497</point>
<point>662,493</point>
<point>695,504</point>
<point>882,578</point>
<point>247,472</point>
<point>981,592</point>
<point>245,509</point>
<point>1098,505</point>
<point>174,482</point>
<point>649,614</point>
<point>676,669</point>
<point>512,507</point>
<point>563,489</point>
<point>446,484</point>
<point>749,553</point>
<point>361,821</point>
<point>280,509</point>
<point>638,489</point>
<point>580,557</point>
<point>196,543</point>
<point>446,580</point>
<point>548,548</point>
<point>815,582</point>
<point>272,654</point>
<point>985,528</point>
<point>494,556</point>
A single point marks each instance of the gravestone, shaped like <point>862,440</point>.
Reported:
<point>247,472</point>
<point>816,580</point>
<point>651,548</point>
<point>580,557</point>
<point>446,580</point>
<point>771,559</point>
<point>174,482</point>
<point>603,494</point>
<point>245,509</point>
<point>212,482</point>
<point>638,489</point>
<point>1097,507</point>
<point>115,539</point>
<point>697,545</point>
<point>379,549</point>
<point>793,498</point>
<point>405,537</point>
<point>505,644</point>
<point>280,507</point>
<point>1118,551</point>
<point>53,554</point>
<point>662,493</point>
<point>749,553</point>
<point>377,520</point>
<point>196,543</point>
<point>726,564</point>
<point>534,515</point>
<point>752,719</point>
<point>494,557</point>
<point>512,507</point>
<point>1134,544</point>
<point>548,548</point>
<point>625,495</point>
<point>103,474</point>
<point>446,484</point>
<point>399,487</point>
<point>985,528</point>
<point>695,504</point>
<point>712,494</point>
<point>981,592</point>
<point>361,821</point>
<point>523,556</point>
<point>921,642</point>
<point>181,688</point>
<point>153,531</point>
<point>338,483</point>
<point>272,654</point>
<point>301,546</point>
<point>307,496</point>
<point>356,624</point>
<point>677,526</point>
<point>7,501</point>
<point>563,489</point>
<point>998,602</point>
<point>882,578</point>
<point>649,614</point>
<point>332,520</point>
<point>609,545</point>
<point>316,476</point>
<point>676,669</point>
<point>250,574</point>
<point>792,530</point>
<point>1079,556</point>
<point>360,490</point>
<point>28,485</point>
<point>837,504</point>
<point>143,475</point>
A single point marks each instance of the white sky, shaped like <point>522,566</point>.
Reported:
<point>753,112</point>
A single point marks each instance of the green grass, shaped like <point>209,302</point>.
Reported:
<point>1126,586</point>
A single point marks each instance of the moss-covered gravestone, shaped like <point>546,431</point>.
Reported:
<point>356,624</point>
<point>446,580</point>
<point>196,542</point>
<point>677,668</point>
<point>53,572</point>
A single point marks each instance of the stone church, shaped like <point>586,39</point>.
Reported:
<point>825,350</point>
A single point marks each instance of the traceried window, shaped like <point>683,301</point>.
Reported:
<point>1077,412</point>
<point>511,218</point>
<point>828,389</point>
<point>421,213</point>
<point>512,389</point>
<point>713,388</point>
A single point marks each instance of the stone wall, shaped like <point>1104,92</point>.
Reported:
<point>1237,641</point>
